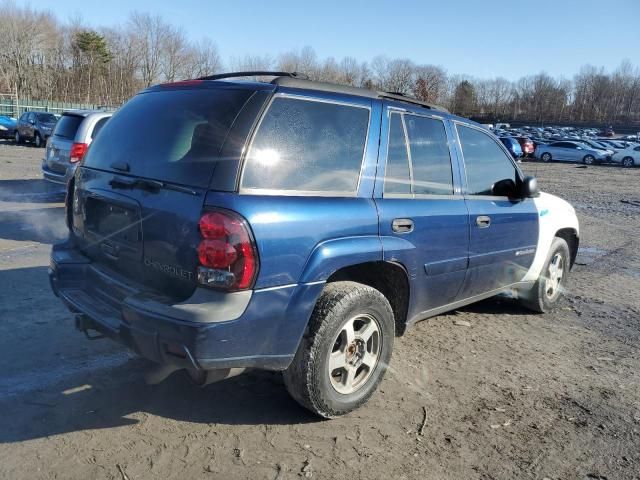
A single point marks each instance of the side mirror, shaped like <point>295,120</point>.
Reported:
<point>529,188</point>
<point>504,188</point>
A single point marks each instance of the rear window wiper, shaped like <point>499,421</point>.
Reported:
<point>147,184</point>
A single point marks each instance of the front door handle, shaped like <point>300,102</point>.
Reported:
<point>402,225</point>
<point>483,221</point>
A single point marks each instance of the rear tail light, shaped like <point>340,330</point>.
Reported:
<point>227,253</point>
<point>77,152</point>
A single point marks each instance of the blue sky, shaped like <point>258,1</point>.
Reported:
<point>483,38</point>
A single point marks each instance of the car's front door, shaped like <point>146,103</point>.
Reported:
<point>503,229</point>
<point>423,218</point>
<point>567,152</point>
<point>22,123</point>
<point>30,125</point>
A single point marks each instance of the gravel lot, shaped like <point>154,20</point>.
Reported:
<point>513,396</point>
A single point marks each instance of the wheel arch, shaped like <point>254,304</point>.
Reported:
<point>389,278</point>
<point>570,235</point>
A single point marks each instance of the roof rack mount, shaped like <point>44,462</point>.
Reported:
<point>401,97</point>
<point>256,73</point>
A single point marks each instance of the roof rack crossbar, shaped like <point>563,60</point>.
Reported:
<point>257,73</point>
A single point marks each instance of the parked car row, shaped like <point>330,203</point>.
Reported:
<point>66,136</point>
<point>568,144</point>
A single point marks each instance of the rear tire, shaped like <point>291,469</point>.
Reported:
<point>550,286</point>
<point>546,157</point>
<point>589,160</point>
<point>345,351</point>
<point>628,162</point>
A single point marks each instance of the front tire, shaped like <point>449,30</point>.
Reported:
<point>344,354</point>
<point>628,162</point>
<point>546,157</point>
<point>551,284</point>
<point>37,140</point>
<point>18,138</point>
<point>589,160</point>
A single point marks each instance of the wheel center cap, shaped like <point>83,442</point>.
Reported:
<point>355,352</point>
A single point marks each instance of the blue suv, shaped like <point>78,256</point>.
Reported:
<point>219,225</point>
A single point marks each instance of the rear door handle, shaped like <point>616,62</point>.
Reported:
<point>483,221</point>
<point>402,225</point>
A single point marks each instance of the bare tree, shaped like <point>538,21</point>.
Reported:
<point>150,34</point>
<point>46,59</point>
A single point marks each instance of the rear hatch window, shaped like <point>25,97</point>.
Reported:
<point>170,135</point>
<point>67,126</point>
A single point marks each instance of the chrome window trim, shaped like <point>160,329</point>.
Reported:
<point>297,193</point>
<point>425,196</point>
<point>303,193</point>
<point>458,123</point>
<point>402,113</point>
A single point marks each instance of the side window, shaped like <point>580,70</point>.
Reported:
<point>98,126</point>
<point>485,162</point>
<point>309,146</point>
<point>397,177</point>
<point>430,158</point>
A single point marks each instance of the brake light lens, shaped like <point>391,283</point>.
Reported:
<point>77,152</point>
<point>227,252</point>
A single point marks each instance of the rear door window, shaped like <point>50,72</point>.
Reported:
<point>397,175</point>
<point>307,146</point>
<point>67,126</point>
<point>430,158</point>
<point>172,135</point>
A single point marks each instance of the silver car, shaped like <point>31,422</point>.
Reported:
<point>570,152</point>
<point>71,137</point>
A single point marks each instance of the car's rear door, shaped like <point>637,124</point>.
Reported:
<point>503,230</point>
<point>424,223</point>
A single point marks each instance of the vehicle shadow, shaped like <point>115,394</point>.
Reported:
<point>496,306</point>
<point>34,190</point>
<point>41,225</point>
<point>110,398</point>
<point>53,380</point>
<point>12,142</point>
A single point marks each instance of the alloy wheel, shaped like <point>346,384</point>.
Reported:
<point>555,274</point>
<point>355,353</point>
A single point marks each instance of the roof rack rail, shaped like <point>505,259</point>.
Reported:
<point>401,97</point>
<point>257,73</point>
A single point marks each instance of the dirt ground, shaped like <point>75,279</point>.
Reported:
<point>513,396</point>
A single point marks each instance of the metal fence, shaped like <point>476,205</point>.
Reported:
<point>12,106</point>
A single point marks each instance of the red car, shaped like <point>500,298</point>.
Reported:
<point>528,148</point>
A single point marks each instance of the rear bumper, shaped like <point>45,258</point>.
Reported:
<point>57,177</point>
<point>211,330</point>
